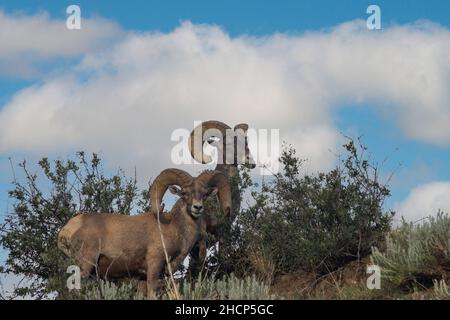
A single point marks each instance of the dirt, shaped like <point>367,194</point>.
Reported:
<point>305,285</point>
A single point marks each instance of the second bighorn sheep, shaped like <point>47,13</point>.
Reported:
<point>118,245</point>
<point>232,150</point>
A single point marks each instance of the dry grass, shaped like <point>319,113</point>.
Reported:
<point>262,264</point>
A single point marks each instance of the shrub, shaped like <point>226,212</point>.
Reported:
<point>105,290</point>
<point>415,255</point>
<point>316,222</point>
<point>43,204</point>
<point>441,290</point>
<point>227,288</point>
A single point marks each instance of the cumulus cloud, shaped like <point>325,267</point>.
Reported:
<point>425,200</point>
<point>126,101</point>
<point>28,41</point>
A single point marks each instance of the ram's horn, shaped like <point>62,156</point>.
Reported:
<point>214,178</point>
<point>197,138</point>
<point>162,182</point>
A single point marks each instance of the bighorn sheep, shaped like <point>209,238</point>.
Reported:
<point>232,147</point>
<point>119,245</point>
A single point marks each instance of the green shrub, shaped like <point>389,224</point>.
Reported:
<point>415,255</point>
<point>42,203</point>
<point>315,222</point>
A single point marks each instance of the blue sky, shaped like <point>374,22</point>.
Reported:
<point>237,17</point>
<point>422,160</point>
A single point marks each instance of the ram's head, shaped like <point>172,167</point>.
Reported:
<point>193,191</point>
<point>231,144</point>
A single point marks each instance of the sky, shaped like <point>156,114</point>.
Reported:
<point>137,70</point>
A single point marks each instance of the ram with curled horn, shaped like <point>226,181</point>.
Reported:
<point>232,150</point>
<point>116,246</point>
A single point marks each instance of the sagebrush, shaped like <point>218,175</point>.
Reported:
<point>415,255</point>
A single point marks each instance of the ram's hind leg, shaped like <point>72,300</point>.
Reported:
<point>87,257</point>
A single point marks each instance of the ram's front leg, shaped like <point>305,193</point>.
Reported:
<point>202,241</point>
<point>154,267</point>
<point>202,251</point>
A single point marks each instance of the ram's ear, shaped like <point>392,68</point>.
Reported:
<point>241,126</point>
<point>175,190</point>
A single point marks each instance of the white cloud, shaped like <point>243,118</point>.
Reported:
<point>126,101</point>
<point>27,41</point>
<point>424,200</point>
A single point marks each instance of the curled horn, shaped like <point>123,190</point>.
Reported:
<point>162,182</point>
<point>218,179</point>
<point>241,126</point>
<point>197,139</point>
